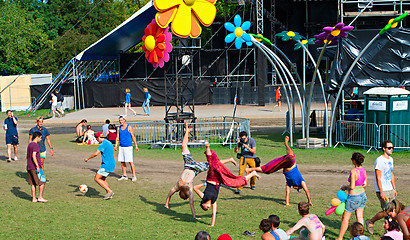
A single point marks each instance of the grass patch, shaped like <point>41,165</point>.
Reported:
<point>137,212</point>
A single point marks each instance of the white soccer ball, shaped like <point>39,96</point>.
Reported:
<point>83,188</point>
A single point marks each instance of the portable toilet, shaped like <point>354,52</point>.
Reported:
<point>389,109</point>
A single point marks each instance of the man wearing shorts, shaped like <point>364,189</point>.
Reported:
<point>34,167</point>
<point>191,169</point>
<point>12,136</point>
<point>384,182</point>
<point>45,137</point>
<point>60,100</point>
<point>125,137</point>
<point>107,165</point>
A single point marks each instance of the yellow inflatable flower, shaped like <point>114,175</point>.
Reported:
<point>185,15</point>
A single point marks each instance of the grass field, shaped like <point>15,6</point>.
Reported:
<point>136,210</point>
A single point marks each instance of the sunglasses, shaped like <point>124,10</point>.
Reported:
<point>390,148</point>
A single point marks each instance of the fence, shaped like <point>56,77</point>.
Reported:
<point>213,129</point>
<point>371,135</point>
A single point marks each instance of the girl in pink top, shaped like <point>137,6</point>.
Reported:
<point>356,201</point>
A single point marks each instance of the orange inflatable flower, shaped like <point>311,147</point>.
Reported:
<point>157,44</point>
<point>185,15</point>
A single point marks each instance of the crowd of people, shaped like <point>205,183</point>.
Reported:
<point>122,139</point>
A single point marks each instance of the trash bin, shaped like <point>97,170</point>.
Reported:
<point>389,109</point>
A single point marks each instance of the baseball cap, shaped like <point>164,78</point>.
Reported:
<point>99,134</point>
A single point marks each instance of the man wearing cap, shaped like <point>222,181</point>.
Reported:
<point>107,165</point>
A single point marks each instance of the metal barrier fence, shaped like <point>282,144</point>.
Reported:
<point>371,135</point>
<point>357,133</point>
<point>399,134</point>
<point>213,129</point>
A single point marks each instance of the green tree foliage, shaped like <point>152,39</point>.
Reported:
<point>43,35</point>
<point>21,38</point>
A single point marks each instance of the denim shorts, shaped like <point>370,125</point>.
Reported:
<point>354,202</point>
<point>102,172</point>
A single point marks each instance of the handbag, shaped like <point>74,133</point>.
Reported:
<point>41,176</point>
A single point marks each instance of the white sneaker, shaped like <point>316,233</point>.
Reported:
<point>15,159</point>
<point>123,178</point>
<point>9,160</point>
<point>134,178</point>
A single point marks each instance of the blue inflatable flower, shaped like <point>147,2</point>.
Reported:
<point>238,32</point>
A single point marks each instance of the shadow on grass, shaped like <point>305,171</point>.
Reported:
<point>253,197</point>
<point>22,175</point>
<point>3,158</point>
<point>182,217</point>
<point>20,194</point>
<point>91,193</point>
<point>111,174</point>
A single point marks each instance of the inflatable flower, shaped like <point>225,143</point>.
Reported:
<point>304,42</point>
<point>157,44</point>
<point>185,15</point>
<point>289,35</point>
<point>260,38</point>
<point>238,32</point>
<point>393,23</point>
<point>332,34</point>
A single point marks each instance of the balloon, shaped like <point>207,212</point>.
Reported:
<point>330,210</point>
<point>341,195</point>
<point>335,202</point>
<point>340,209</point>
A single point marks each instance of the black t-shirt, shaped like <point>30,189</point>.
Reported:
<point>59,97</point>
<point>211,193</point>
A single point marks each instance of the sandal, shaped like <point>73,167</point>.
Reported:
<point>368,227</point>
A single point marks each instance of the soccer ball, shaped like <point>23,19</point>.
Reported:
<point>83,188</point>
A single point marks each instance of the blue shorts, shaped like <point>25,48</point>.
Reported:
<point>294,178</point>
<point>354,202</point>
<point>102,172</point>
<point>12,139</point>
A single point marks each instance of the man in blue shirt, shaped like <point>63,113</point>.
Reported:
<point>12,136</point>
<point>45,137</point>
<point>107,165</point>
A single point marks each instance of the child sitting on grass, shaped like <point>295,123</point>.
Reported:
<point>357,230</point>
<point>313,227</point>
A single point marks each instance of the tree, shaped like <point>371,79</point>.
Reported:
<point>21,39</point>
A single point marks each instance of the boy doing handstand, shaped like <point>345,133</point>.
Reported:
<point>191,169</point>
<point>290,170</point>
<point>218,173</point>
<point>315,228</point>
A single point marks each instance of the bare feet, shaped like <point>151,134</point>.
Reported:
<point>187,128</point>
<point>311,204</point>
<point>166,206</point>
<point>34,200</point>
<point>286,140</point>
<point>42,200</point>
<point>247,170</point>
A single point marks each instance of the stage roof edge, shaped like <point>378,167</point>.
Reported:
<point>122,38</point>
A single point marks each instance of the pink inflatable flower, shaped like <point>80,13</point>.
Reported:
<point>157,44</point>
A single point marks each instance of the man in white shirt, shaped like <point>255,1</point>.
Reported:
<point>384,182</point>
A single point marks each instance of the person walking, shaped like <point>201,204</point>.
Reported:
<point>44,137</point>
<point>128,101</point>
<point>357,199</point>
<point>277,98</point>
<point>125,137</point>
<point>60,100</point>
<point>12,136</point>
<point>384,182</point>
<point>247,145</point>
<point>145,105</point>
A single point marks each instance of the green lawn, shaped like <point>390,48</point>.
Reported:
<point>137,212</point>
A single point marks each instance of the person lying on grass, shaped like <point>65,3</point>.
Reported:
<point>290,170</point>
<point>218,174</point>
